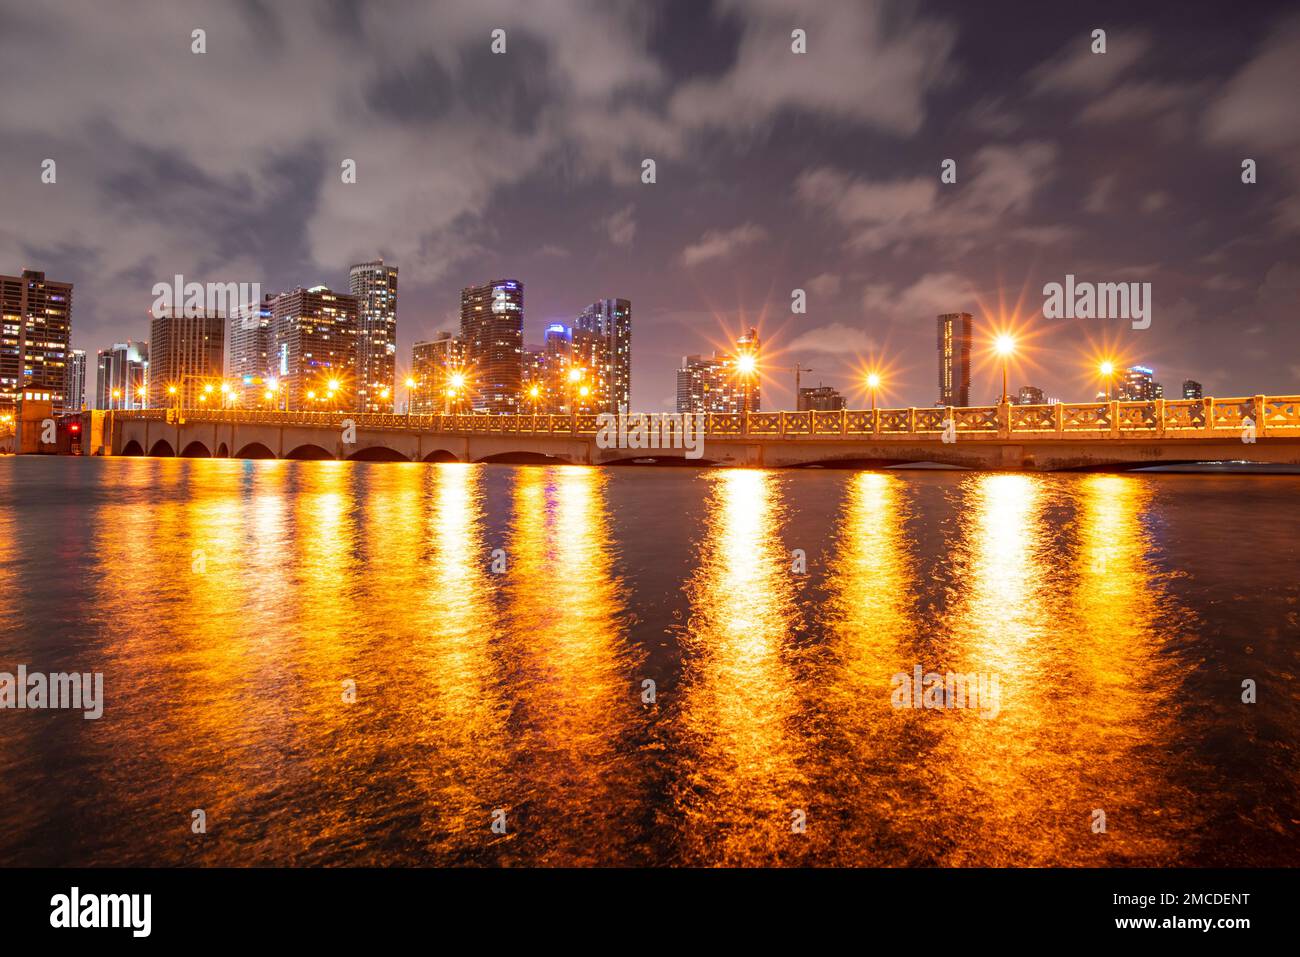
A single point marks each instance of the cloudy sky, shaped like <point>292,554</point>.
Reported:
<point>775,171</point>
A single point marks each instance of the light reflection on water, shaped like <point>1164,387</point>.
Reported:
<point>233,605</point>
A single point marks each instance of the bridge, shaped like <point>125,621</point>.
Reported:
<point>1087,435</point>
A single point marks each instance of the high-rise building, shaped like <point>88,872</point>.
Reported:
<point>185,353</point>
<point>35,337</point>
<point>1192,389</point>
<point>314,332</point>
<point>121,372</point>
<point>492,333</point>
<point>725,382</point>
<point>744,388</point>
<point>1030,395</point>
<point>954,342</point>
<point>375,287</point>
<point>433,363</point>
<point>697,382</point>
<point>251,362</point>
<point>75,395</point>
<point>821,399</point>
<point>1136,385</point>
<point>544,386</point>
<point>611,321</point>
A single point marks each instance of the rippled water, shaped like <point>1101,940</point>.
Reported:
<point>226,603</point>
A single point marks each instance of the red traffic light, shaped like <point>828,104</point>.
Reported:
<point>75,427</point>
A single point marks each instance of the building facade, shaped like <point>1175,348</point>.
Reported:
<point>821,399</point>
<point>433,364</point>
<point>35,337</point>
<point>954,344</point>
<point>122,375</point>
<point>492,334</point>
<point>314,332</point>
<point>1137,384</point>
<point>374,285</point>
<point>186,353</point>
<point>723,382</point>
<point>1192,389</point>
<point>251,361</point>
<point>697,381</point>
<point>610,321</point>
<point>1030,395</point>
<point>75,395</point>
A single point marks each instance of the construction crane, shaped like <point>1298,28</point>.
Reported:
<point>797,370</point>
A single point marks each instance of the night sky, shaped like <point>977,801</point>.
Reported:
<point>775,171</point>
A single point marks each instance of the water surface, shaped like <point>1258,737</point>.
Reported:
<point>228,602</point>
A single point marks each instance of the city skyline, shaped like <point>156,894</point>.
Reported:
<point>741,212</point>
<point>251,342</point>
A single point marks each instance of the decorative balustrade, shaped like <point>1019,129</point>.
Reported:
<point>1032,418</point>
<point>1180,418</point>
<point>1091,416</point>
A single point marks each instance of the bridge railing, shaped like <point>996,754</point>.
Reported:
<point>1174,418</point>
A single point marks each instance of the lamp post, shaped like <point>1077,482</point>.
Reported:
<point>1005,345</point>
<point>1107,370</point>
<point>873,383</point>
<point>456,382</point>
<point>575,376</point>
<point>746,366</point>
<point>410,394</point>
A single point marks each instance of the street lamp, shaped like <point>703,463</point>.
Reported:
<point>575,376</point>
<point>410,394</point>
<point>456,383</point>
<point>1004,345</point>
<point>1107,370</point>
<point>534,393</point>
<point>139,394</point>
<point>873,383</point>
<point>746,366</point>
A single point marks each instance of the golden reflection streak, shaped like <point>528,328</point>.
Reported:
<point>1072,649</point>
<point>454,695</point>
<point>987,771</point>
<point>739,699</point>
<point>578,693</point>
<point>871,629</point>
<point>177,591</point>
<point>1119,676</point>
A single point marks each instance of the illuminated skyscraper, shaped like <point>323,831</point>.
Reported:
<point>697,384</point>
<point>492,333</point>
<point>954,358</point>
<point>35,337</point>
<point>75,395</point>
<point>252,353</point>
<point>120,372</point>
<point>1137,384</point>
<point>432,364</point>
<point>611,321</point>
<point>1192,389</point>
<point>187,352</point>
<point>315,336</point>
<point>725,382</point>
<point>375,287</point>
